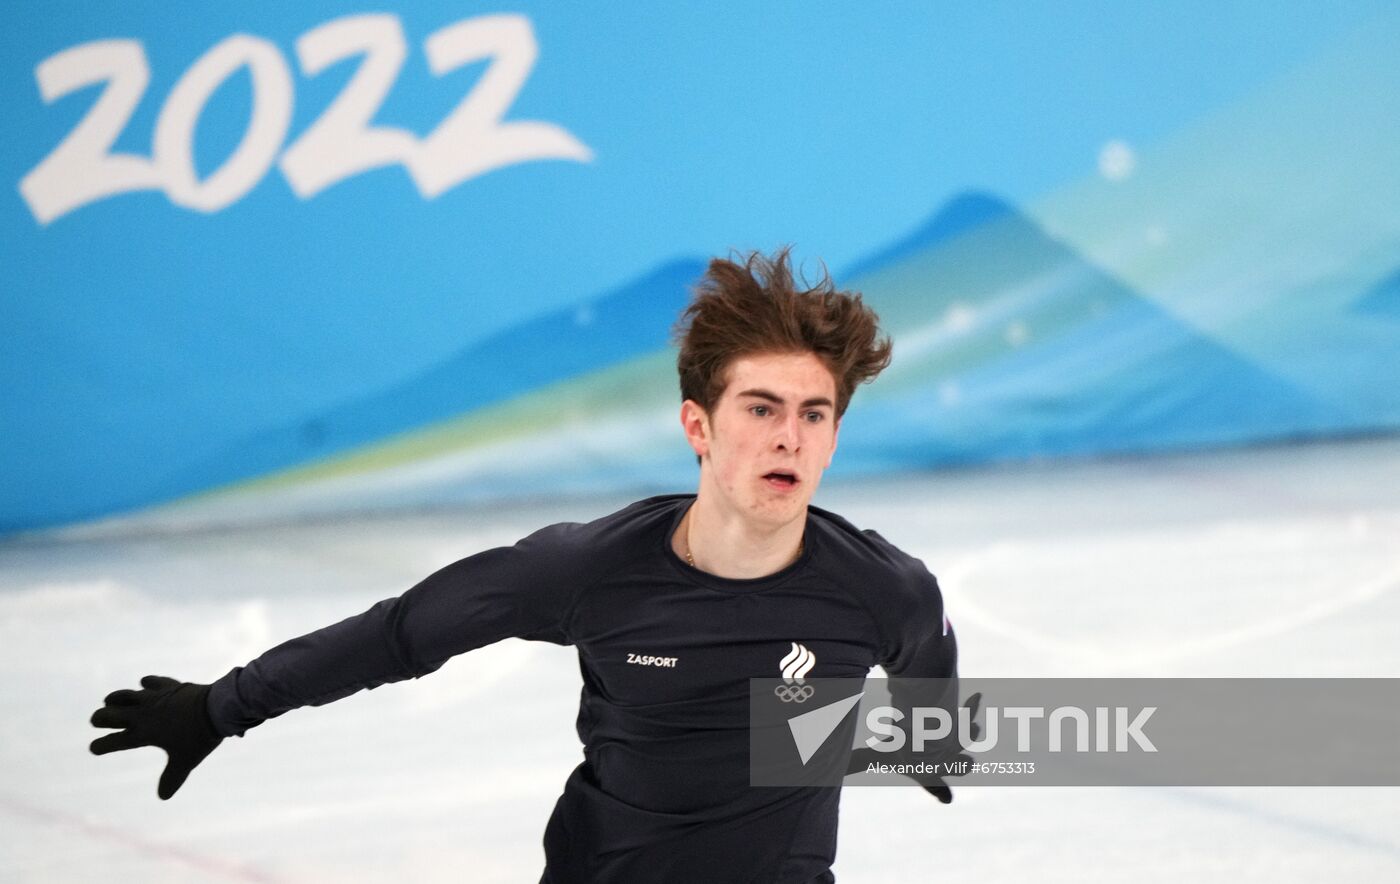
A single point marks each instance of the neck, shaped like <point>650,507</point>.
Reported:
<point>724,543</point>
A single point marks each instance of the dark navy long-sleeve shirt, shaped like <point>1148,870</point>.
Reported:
<point>666,652</point>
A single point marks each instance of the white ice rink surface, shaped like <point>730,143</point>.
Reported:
<point>1273,562</point>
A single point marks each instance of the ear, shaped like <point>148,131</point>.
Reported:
<point>696,424</point>
<point>835,434</point>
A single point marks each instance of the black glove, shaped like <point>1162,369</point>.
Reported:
<point>953,754</point>
<point>168,713</point>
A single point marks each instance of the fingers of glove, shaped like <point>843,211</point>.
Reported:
<point>173,777</point>
<point>112,716</point>
<point>156,682</point>
<point>117,742</point>
<point>974,730</point>
<point>941,792</point>
<point>123,697</point>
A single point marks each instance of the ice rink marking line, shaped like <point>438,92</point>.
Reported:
<point>100,832</point>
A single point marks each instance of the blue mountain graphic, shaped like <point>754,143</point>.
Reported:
<point>963,213</point>
<point>1009,344</point>
<point>611,328</point>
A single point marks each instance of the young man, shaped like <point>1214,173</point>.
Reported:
<point>674,603</point>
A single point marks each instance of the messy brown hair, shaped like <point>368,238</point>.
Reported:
<point>754,305</point>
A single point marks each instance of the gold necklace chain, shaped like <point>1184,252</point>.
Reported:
<point>690,560</point>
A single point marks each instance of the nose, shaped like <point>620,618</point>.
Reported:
<point>788,438</point>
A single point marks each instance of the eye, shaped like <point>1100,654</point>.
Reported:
<point>815,417</point>
<point>759,410</point>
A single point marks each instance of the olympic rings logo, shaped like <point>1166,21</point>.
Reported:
<point>799,693</point>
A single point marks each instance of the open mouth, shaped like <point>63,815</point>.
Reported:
<point>781,479</point>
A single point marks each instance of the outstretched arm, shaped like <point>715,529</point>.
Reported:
<point>523,591</point>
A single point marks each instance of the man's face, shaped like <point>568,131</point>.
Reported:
<point>769,437</point>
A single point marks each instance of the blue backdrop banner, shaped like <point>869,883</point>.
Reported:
<point>322,256</point>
